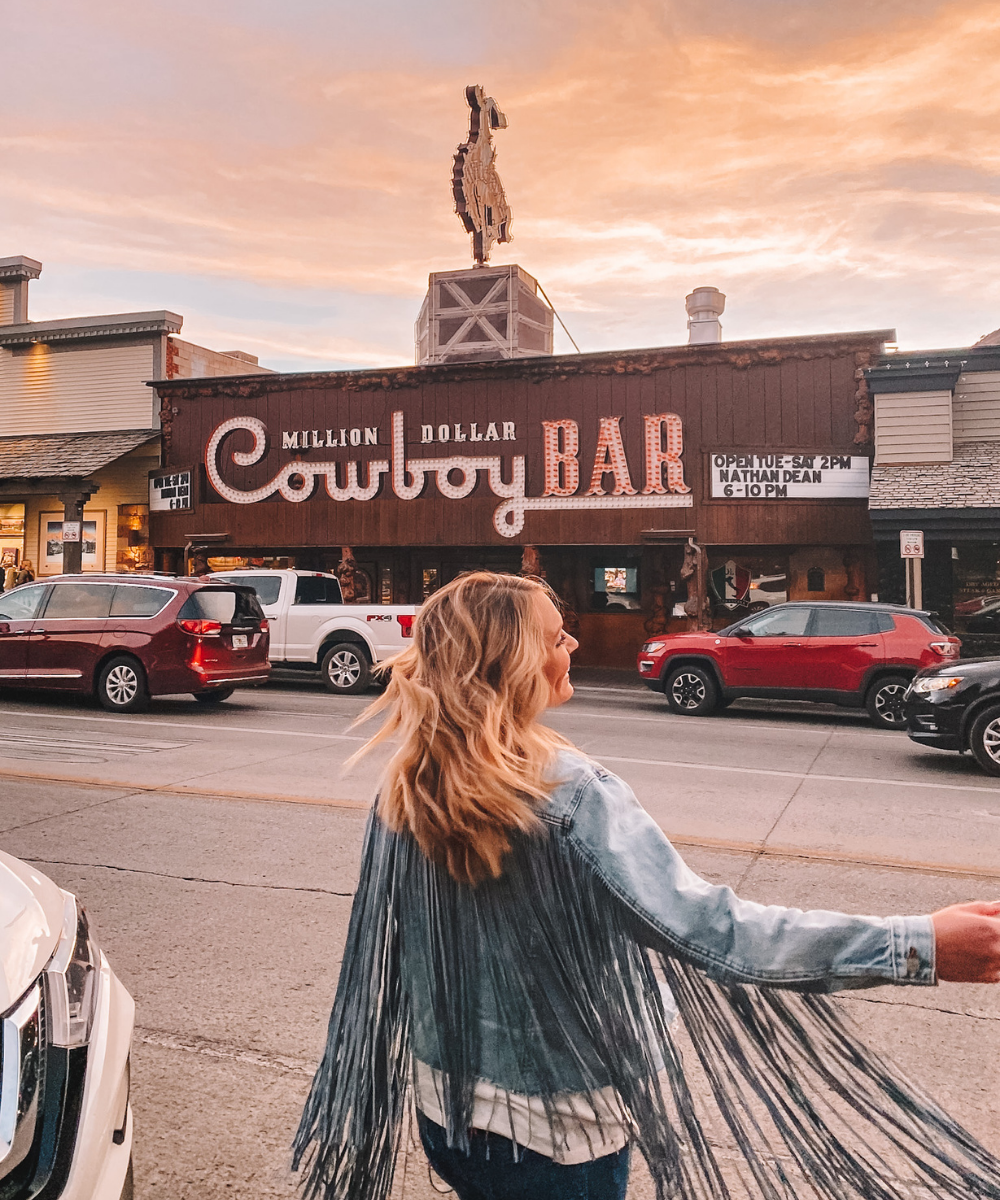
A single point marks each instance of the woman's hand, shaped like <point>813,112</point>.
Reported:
<point>968,942</point>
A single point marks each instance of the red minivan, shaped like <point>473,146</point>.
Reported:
<point>125,638</point>
<point>848,653</point>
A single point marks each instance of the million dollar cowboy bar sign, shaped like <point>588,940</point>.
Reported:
<point>456,459</point>
<point>623,449</point>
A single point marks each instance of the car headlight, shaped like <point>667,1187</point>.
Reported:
<point>71,979</point>
<point>936,683</point>
<point>652,647</point>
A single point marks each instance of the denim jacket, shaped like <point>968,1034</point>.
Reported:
<point>664,906</point>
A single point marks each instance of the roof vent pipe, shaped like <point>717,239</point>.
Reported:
<point>704,307</point>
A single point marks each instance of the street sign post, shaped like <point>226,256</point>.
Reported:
<point>911,543</point>
<point>911,551</point>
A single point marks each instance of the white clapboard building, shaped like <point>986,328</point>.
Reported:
<point>80,428</point>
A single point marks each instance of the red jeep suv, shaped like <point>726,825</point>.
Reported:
<point>838,653</point>
<point>125,638</point>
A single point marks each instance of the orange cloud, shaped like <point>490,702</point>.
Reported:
<point>826,183</point>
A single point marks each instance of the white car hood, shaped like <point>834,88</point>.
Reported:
<point>31,919</point>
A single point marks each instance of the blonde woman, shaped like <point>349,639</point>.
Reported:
<point>523,939</point>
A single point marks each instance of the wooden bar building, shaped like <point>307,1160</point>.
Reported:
<point>655,489</point>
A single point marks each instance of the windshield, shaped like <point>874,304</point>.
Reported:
<point>228,606</point>
<point>267,587</point>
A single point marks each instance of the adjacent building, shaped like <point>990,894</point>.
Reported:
<point>80,430</point>
<point>937,470</point>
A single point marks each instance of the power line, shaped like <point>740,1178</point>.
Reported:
<point>558,318</point>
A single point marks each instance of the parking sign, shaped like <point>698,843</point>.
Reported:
<point>911,543</point>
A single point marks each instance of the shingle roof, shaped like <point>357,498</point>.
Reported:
<point>42,455</point>
<point>970,480</point>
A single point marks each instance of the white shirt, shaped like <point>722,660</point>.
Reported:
<point>587,1125</point>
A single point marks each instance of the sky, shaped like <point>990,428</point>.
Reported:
<point>280,174</point>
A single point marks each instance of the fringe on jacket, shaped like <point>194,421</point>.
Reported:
<point>776,1097</point>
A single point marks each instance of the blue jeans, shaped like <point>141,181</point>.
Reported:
<point>489,1171</point>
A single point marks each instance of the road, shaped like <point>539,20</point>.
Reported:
<point>217,851</point>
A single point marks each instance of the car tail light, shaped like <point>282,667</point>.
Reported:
<point>200,628</point>
<point>264,625</point>
<point>947,649</point>
<point>405,624</point>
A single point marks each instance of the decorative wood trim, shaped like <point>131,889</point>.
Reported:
<point>738,355</point>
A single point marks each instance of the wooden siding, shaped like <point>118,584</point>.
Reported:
<point>729,400</point>
<point>913,427</point>
<point>49,390</point>
<point>6,305</point>
<point>977,407</point>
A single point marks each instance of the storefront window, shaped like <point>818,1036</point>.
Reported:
<point>11,536</point>
<point>429,581</point>
<point>616,587</point>
<point>976,572</point>
<point>133,552</point>
<point>741,584</point>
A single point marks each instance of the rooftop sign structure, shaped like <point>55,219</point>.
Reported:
<point>479,196</point>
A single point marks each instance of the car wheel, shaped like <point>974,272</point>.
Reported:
<point>691,691</point>
<point>215,696</point>
<point>121,686</point>
<point>346,669</point>
<point>885,702</point>
<point>984,740</point>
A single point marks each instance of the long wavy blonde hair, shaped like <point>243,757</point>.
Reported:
<point>464,702</point>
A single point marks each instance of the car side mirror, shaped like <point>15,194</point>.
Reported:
<point>743,633</point>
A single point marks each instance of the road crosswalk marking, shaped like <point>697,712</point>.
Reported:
<point>52,745</point>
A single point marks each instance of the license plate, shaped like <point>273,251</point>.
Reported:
<point>239,641</point>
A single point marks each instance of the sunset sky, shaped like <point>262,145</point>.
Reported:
<point>279,174</point>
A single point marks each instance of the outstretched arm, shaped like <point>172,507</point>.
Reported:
<point>674,911</point>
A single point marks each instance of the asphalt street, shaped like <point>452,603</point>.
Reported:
<point>217,852</point>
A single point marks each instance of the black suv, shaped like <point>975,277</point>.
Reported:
<point>957,707</point>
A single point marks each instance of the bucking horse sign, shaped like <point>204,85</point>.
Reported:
<point>479,196</point>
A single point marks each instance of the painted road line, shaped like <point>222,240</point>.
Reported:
<point>726,722</point>
<point>211,728</point>
<point>642,762</point>
<point>806,775</point>
<point>180,789</point>
<point>681,840</point>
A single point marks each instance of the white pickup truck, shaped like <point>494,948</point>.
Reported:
<point>311,626</point>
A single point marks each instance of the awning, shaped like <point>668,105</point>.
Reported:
<point>77,455</point>
<point>951,501</point>
<point>970,480</point>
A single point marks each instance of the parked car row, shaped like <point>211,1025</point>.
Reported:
<point>958,708</point>
<point>313,629</point>
<point>851,654</point>
<point>126,638</point>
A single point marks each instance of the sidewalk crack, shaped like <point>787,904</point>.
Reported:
<point>762,848</point>
<point>975,1014</point>
<point>165,1040</point>
<point>267,887</point>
